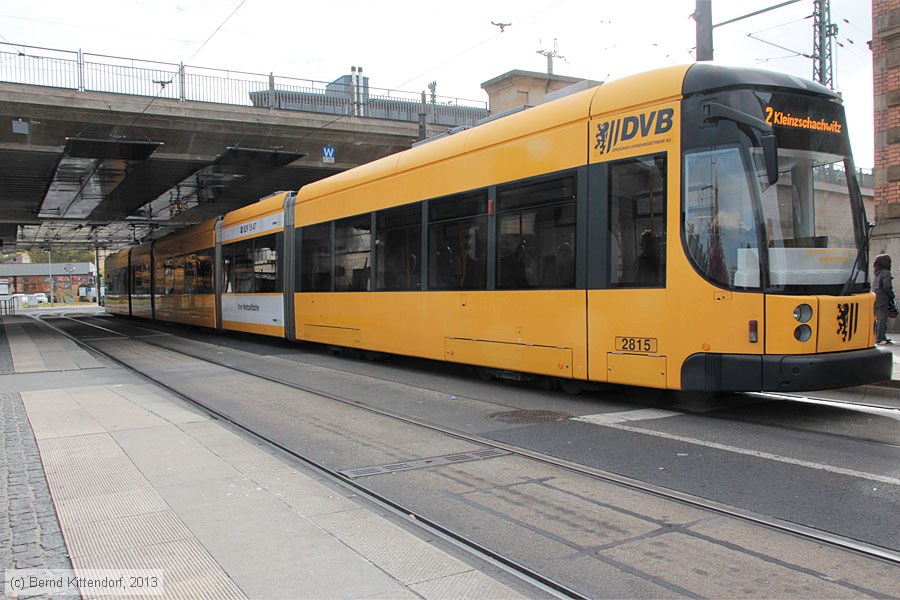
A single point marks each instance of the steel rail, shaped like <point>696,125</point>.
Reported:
<point>893,411</point>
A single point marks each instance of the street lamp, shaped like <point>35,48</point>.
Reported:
<point>50,272</point>
<point>69,268</point>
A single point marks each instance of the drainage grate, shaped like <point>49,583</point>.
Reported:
<point>424,463</point>
<point>528,417</point>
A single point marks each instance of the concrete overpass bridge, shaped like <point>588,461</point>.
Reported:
<point>83,165</point>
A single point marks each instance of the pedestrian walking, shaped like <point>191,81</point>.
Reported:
<point>884,297</point>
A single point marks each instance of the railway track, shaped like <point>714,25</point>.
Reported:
<point>511,566</point>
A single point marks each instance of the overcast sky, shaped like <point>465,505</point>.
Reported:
<point>405,44</point>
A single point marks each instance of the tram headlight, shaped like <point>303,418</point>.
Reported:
<point>803,333</point>
<point>803,313</point>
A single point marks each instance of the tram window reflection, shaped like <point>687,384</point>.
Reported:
<point>637,221</point>
<point>398,245</point>
<point>536,235</point>
<point>458,246</point>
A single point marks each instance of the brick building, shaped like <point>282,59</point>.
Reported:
<point>70,281</point>
<point>886,75</point>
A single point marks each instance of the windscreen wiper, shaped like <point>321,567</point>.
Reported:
<point>859,263</point>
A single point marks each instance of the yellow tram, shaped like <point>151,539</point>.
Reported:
<point>695,227</point>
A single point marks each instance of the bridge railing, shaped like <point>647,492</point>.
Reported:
<point>85,72</point>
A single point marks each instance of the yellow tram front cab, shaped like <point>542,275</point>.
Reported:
<point>771,268</point>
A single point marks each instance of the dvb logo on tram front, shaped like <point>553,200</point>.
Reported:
<point>610,134</point>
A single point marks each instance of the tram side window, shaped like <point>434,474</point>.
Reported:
<point>170,276</point>
<point>265,264</point>
<point>315,252</point>
<point>141,276</point>
<point>160,271</point>
<point>228,268</point>
<point>117,281</point>
<point>457,242</point>
<point>187,283</point>
<point>120,281</point>
<point>398,243</point>
<point>203,281</point>
<point>536,235</point>
<point>243,267</point>
<point>637,221</point>
<point>352,250</point>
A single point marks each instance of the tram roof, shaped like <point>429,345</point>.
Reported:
<point>660,85</point>
<point>620,95</point>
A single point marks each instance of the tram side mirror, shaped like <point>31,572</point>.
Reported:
<point>714,111</point>
<point>770,154</point>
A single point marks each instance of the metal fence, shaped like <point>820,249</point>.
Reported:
<point>8,306</point>
<point>84,72</point>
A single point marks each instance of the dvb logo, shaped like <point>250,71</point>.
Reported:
<point>611,133</point>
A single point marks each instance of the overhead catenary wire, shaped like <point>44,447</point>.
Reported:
<point>436,66</point>
<point>203,45</point>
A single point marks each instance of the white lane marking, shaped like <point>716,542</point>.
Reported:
<point>616,420</point>
<point>624,417</point>
<point>893,413</point>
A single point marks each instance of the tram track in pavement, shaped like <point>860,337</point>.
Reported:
<point>892,411</point>
<point>482,553</point>
<point>820,536</point>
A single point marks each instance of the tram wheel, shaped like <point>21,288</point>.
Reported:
<point>571,386</point>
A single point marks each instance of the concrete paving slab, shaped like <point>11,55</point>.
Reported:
<point>299,491</point>
<point>113,535</point>
<point>110,506</point>
<point>855,570</point>
<point>269,548</point>
<point>188,569</point>
<point>663,557</point>
<point>26,357</point>
<point>149,540</point>
<point>53,413</point>
<point>175,414</point>
<point>470,585</point>
<point>114,412</point>
<point>168,456</point>
<point>404,556</point>
<point>140,393</point>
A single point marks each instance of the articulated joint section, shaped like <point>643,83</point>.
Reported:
<point>785,372</point>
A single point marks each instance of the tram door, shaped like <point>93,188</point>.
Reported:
<point>625,320</point>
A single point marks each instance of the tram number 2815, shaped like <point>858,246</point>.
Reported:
<point>636,344</point>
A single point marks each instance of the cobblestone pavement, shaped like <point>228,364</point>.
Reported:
<point>30,537</point>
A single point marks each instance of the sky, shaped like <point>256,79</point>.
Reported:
<point>405,45</point>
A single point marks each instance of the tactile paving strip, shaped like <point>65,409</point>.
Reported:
<point>111,516</point>
<point>406,557</point>
<point>188,570</point>
<point>111,535</point>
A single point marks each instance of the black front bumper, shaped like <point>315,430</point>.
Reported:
<point>785,372</point>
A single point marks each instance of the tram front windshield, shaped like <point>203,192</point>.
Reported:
<point>799,235</point>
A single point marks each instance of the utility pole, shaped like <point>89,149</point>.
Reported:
<point>423,116</point>
<point>703,16</point>
<point>824,30</point>
<point>551,54</point>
